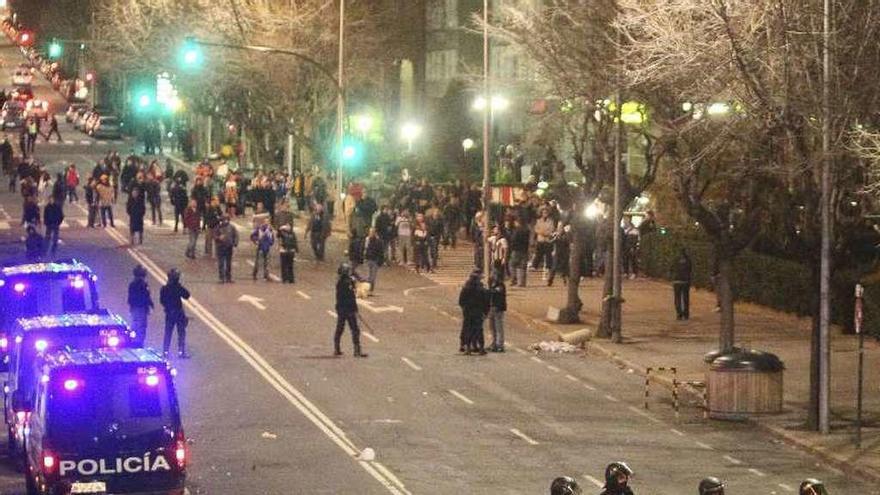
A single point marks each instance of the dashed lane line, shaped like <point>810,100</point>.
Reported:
<point>370,336</point>
<point>572,378</point>
<point>704,446</point>
<point>332,313</point>
<point>679,433</point>
<point>274,378</point>
<point>537,359</point>
<point>757,472</point>
<point>589,387</point>
<point>594,481</point>
<point>303,295</point>
<point>460,396</point>
<point>644,414</point>
<point>525,437</point>
<point>612,398</point>
<point>553,368</point>
<point>732,460</point>
<point>785,487</point>
<point>411,364</point>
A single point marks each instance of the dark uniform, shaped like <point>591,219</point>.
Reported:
<point>171,296</point>
<point>289,247</point>
<point>474,302</point>
<point>346,311</point>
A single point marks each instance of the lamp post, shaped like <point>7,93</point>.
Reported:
<point>340,100</point>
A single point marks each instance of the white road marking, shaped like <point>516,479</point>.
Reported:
<point>408,292</point>
<point>611,398</point>
<point>589,387</point>
<point>521,351</point>
<point>536,359</point>
<point>732,460</point>
<point>572,378</point>
<point>525,437</point>
<point>594,481</point>
<point>379,309</point>
<point>644,414</point>
<point>254,301</point>
<point>332,313</point>
<point>274,378</point>
<point>757,472</point>
<point>704,446</point>
<point>303,295</point>
<point>785,487</point>
<point>673,430</point>
<point>370,336</point>
<point>411,364</point>
<point>553,368</point>
<point>461,397</point>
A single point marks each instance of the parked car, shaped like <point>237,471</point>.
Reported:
<point>22,77</point>
<point>13,115</point>
<point>74,110</point>
<point>80,123</point>
<point>106,126</point>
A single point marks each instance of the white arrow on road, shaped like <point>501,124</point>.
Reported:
<point>255,301</point>
<point>379,309</point>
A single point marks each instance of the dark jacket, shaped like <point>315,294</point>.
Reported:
<point>498,297</point>
<point>345,298</point>
<point>31,213</point>
<point>212,216</point>
<point>226,237</point>
<point>374,249</point>
<point>53,215</point>
<point>136,209</point>
<point>519,240</point>
<point>681,270</point>
<point>139,294</point>
<point>287,241</point>
<point>201,195</point>
<point>385,226</point>
<point>474,300</point>
<point>178,197</point>
<point>171,296</point>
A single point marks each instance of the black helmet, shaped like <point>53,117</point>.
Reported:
<point>711,486</point>
<point>812,486</point>
<point>344,269</point>
<point>139,271</point>
<point>173,275</point>
<point>614,470</point>
<point>565,485</point>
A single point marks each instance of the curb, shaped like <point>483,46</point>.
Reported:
<point>835,461</point>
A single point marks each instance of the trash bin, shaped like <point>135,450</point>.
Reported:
<point>744,384</point>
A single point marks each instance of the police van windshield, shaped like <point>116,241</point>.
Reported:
<point>119,410</point>
<point>45,296</point>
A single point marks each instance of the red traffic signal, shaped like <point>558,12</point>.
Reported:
<point>26,38</point>
<point>90,76</point>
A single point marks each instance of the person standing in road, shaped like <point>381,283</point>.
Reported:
<point>519,252</point>
<point>318,231</point>
<point>22,143</point>
<point>139,303</point>
<point>53,215</point>
<point>136,209</point>
<point>420,244</point>
<point>288,248</point>
<point>105,200</point>
<point>403,238</point>
<point>30,214</point>
<point>474,303</point>
<point>178,201</point>
<point>72,182</point>
<point>192,223</point>
<point>6,154</point>
<point>497,308</point>
<point>681,273</point>
<point>545,226</point>
<point>171,296</point>
<point>374,254</point>
<point>202,196</point>
<point>346,311</point>
<point>33,130</point>
<point>226,238</point>
<point>53,129</point>
<point>33,244</point>
<point>617,476</point>
<point>92,202</point>
<point>212,221</point>
<point>263,239</point>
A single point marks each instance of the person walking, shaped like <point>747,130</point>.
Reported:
<point>213,213</point>
<point>139,303</point>
<point>497,308</point>
<point>288,248</point>
<point>434,223</point>
<point>403,224</point>
<point>53,215</point>
<point>681,272</point>
<point>561,254</point>
<point>499,250</point>
<point>53,129</point>
<point>136,209</point>
<point>226,238</point>
<point>263,239</point>
<point>105,200</point>
<point>179,201</point>
<point>545,226</point>
<point>519,253</point>
<point>374,254</point>
<point>33,130</point>
<point>72,182</point>
<point>153,186</point>
<point>91,202</point>
<point>420,244</point>
<point>318,231</point>
<point>474,303</point>
<point>192,222</point>
<point>171,296</point>
<point>346,311</point>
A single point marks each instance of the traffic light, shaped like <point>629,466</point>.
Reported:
<point>55,49</point>
<point>352,153</point>
<point>26,38</point>
<point>191,54</point>
<point>143,99</point>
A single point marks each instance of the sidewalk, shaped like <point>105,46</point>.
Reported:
<point>653,338</point>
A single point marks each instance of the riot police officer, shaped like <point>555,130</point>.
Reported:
<point>172,296</point>
<point>565,485</point>
<point>346,310</point>
<point>812,486</point>
<point>617,476</point>
<point>711,486</point>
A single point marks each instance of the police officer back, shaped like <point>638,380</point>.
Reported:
<point>617,476</point>
<point>711,486</point>
<point>346,311</point>
<point>172,296</point>
<point>565,485</point>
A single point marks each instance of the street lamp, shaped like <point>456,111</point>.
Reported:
<point>498,103</point>
<point>364,123</point>
<point>410,131</point>
<point>467,144</point>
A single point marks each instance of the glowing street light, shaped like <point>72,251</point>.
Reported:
<point>467,144</point>
<point>498,102</point>
<point>410,131</point>
<point>364,123</point>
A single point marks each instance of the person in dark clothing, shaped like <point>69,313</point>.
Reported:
<point>6,153</point>
<point>681,285</point>
<point>519,252</point>
<point>385,229</point>
<point>139,303</point>
<point>317,231</point>
<point>497,308</point>
<point>201,194</point>
<point>288,248</point>
<point>53,215</point>
<point>33,244</point>
<point>617,476</point>
<point>561,254</point>
<point>53,129</point>
<point>346,311</point>
<point>226,239</point>
<point>474,302</point>
<point>171,296</point>
<point>374,254</point>
<point>30,215</point>
<point>213,213</point>
<point>136,209</point>
<point>179,201</point>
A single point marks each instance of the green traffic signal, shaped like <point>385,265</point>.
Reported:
<point>191,54</point>
<point>55,49</point>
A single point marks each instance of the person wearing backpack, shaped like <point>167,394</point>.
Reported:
<point>226,239</point>
<point>263,238</point>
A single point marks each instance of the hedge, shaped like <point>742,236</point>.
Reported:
<point>774,282</point>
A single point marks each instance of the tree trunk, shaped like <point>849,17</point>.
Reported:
<point>573,305</point>
<point>725,297</point>
<point>607,291</point>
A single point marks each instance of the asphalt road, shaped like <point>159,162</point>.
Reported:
<point>272,412</point>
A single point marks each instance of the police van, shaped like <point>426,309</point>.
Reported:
<point>105,421</point>
<point>31,337</point>
<point>35,289</point>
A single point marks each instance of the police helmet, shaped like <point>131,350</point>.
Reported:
<point>173,275</point>
<point>565,485</point>
<point>812,486</point>
<point>139,271</point>
<point>614,471</point>
<point>711,486</point>
<point>344,269</point>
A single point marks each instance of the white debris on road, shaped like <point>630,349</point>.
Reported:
<point>555,347</point>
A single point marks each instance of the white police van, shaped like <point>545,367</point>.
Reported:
<point>105,421</point>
